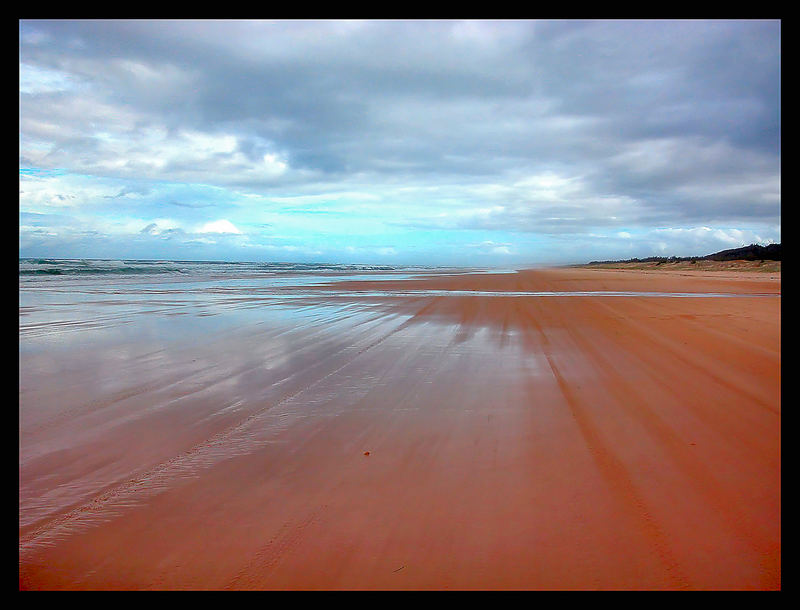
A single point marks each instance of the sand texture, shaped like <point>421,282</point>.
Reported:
<point>428,433</point>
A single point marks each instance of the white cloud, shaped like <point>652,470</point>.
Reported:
<point>219,226</point>
<point>155,227</point>
<point>38,79</point>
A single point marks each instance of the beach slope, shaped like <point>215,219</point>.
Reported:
<point>444,432</point>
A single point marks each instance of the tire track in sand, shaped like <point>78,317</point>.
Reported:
<point>285,540</point>
<point>613,470</point>
<point>695,360</point>
<point>723,502</point>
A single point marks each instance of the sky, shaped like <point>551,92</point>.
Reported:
<point>473,143</point>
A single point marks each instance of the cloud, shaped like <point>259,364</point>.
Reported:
<point>552,129</point>
<point>219,226</point>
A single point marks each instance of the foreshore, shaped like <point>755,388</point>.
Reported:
<point>470,431</point>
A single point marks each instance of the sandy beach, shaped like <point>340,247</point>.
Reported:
<point>443,431</point>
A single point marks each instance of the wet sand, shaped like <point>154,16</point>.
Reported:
<point>353,440</point>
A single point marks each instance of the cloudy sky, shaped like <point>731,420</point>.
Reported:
<point>497,143</point>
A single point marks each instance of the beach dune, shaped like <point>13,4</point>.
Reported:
<point>439,432</point>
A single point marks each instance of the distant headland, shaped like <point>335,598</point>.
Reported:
<point>748,258</point>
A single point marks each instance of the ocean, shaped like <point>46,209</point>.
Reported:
<point>58,296</point>
<point>88,267</point>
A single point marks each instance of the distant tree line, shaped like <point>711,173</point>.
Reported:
<point>753,252</point>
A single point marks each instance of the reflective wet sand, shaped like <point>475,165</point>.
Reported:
<point>441,432</point>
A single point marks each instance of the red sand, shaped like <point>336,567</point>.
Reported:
<point>483,443</point>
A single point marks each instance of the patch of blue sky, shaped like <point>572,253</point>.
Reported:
<point>41,171</point>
